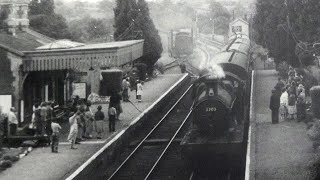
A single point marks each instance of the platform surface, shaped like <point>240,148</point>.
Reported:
<point>41,164</point>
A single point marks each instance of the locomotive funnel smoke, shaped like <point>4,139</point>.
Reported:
<point>216,70</point>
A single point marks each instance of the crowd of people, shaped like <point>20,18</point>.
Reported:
<point>83,122</point>
<point>289,98</point>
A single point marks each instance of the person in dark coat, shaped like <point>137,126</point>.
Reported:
<point>115,101</point>
<point>274,106</point>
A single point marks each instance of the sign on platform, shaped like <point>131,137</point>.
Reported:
<point>79,89</point>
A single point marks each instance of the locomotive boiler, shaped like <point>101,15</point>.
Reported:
<point>221,109</point>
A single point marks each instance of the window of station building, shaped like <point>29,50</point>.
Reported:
<point>236,28</point>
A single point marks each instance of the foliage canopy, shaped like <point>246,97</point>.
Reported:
<point>133,21</point>
<point>288,39</point>
<point>44,20</point>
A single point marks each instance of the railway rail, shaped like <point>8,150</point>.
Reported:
<point>143,160</point>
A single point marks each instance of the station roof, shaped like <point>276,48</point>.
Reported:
<point>23,41</point>
<point>60,44</point>
<point>67,45</point>
<point>65,54</point>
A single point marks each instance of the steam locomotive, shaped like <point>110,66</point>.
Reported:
<point>181,43</point>
<point>220,116</point>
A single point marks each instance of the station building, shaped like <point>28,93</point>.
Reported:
<point>36,67</point>
<point>238,27</point>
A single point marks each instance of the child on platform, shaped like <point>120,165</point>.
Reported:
<point>112,118</point>
<point>55,127</point>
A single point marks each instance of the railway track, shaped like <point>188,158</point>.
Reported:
<point>144,159</point>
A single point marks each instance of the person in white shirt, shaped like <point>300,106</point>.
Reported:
<point>284,104</point>
<point>13,121</point>
<point>139,91</point>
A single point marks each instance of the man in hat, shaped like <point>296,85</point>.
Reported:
<point>274,106</point>
<point>13,121</point>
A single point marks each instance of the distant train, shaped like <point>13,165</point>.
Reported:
<point>181,43</point>
<point>220,116</point>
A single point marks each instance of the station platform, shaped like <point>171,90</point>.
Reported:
<point>41,164</point>
<point>275,151</point>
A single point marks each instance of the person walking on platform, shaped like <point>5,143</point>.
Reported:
<point>73,133</point>
<point>55,127</point>
<point>284,104</point>
<point>274,106</point>
<point>99,117</point>
<point>139,91</point>
<point>112,118</point>
<point>292,110</point>
<point>13,121</point>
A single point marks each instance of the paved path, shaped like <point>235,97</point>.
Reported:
<point>41,164</point>
<point>282,151</point>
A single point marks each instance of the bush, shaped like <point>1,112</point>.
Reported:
<point>142,68</point>
<point>5,164</point>
<point>160,66</point>
<point>309,80</point>
<point>315,97</point>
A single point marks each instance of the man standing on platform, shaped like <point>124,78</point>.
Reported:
<point>125,88</point>
<point>115,101</point>
<point>13,121</point>
<point>274,106</point>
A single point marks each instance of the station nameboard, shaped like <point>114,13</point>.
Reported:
<point>79,89</point>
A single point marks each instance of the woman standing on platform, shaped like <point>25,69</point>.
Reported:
<point>292,110</point>
<point>139,91</point>
<point>73,120</point>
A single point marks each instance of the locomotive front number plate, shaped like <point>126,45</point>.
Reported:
<point>211,109</point>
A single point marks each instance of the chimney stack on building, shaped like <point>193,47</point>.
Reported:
<point>16,13</point>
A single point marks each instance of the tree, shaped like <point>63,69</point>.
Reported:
<point>42,7</point>
<point>123,16</point>
<point>44,20</point>
<point>239,11</point>
<point>152,42</point>
<point>221,17</point>
<point>133,21</point>
<point>283,36</point>
<point>90,29</point>
<point>3,16</point>
<point>217,18</point>
<point>272,32</point>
